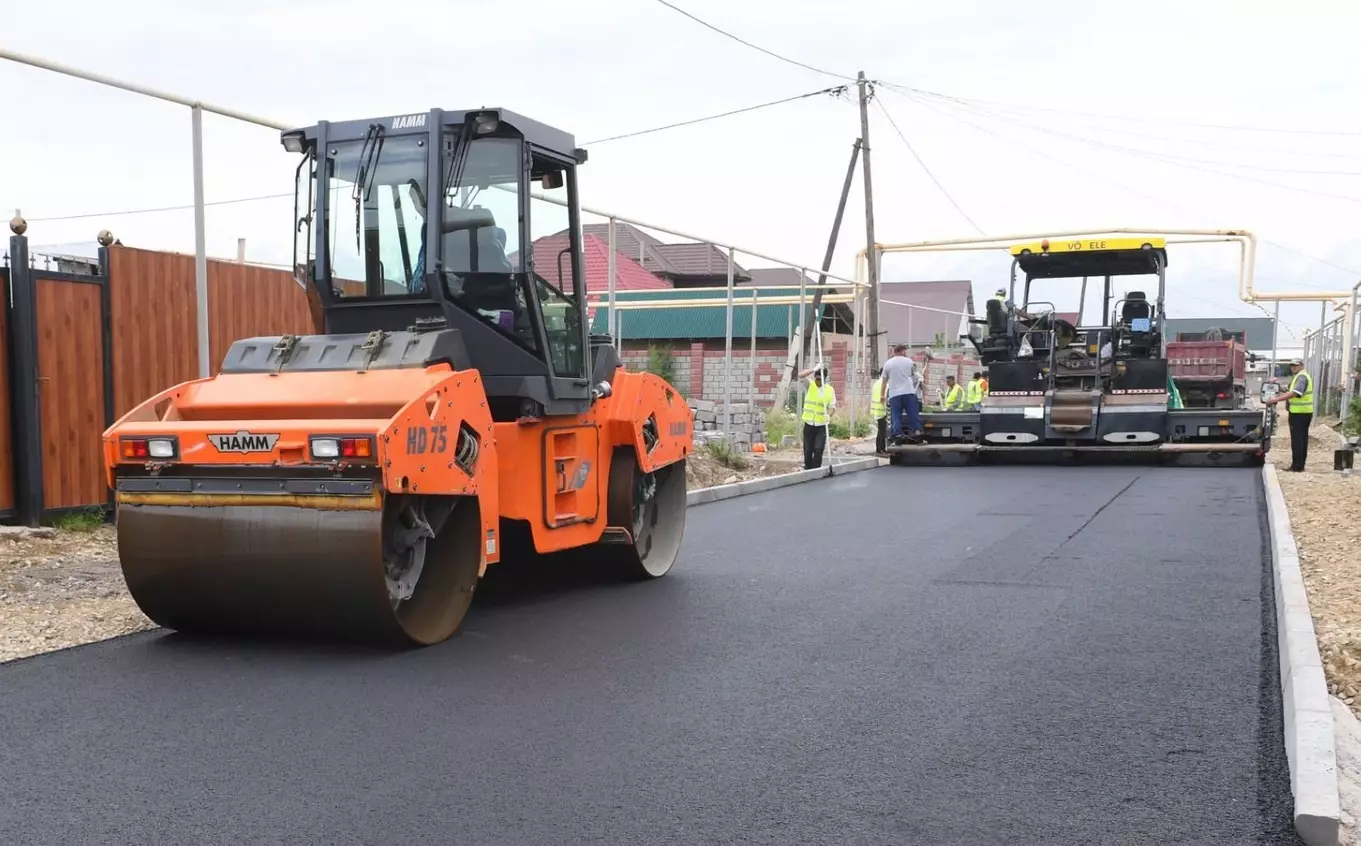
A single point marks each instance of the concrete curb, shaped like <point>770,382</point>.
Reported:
<point>722,492</point>
<point>1310,744</point>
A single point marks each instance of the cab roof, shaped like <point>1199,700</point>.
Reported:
<point>536,133</point>
<point>1076,257</point>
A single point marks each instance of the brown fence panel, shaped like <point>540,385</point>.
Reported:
<point>71,391</point>
<point>153,323</point>
<point>247,300</point>
<point>6,455</point>
<point>155,317</point>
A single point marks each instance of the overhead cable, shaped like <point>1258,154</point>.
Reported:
<point>932,176</point>
<point>834,91</point>
<point>723,32</point>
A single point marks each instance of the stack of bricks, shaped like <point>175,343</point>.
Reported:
<point>747,426</point>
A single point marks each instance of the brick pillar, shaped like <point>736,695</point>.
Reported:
<point>697,371</point>
<point>836,363</point>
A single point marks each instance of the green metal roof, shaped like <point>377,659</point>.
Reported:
<point>649,324</point>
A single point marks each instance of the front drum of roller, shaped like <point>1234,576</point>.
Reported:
<point>279,570</point>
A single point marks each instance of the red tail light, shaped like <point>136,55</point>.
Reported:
<point>1222,395</point>
<point>330,448</point>
<point>149,448</point>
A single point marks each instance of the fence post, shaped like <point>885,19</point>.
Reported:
<point>611,270</point>
<point>106,327</point>
<point>26,439</point>
<point>754,293</point>
<point>727,361</point>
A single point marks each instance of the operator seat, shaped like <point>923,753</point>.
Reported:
<point>997,346</point>
<point>997,317</point>
<point>1137,307</point>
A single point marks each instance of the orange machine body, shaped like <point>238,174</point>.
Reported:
<point>425,431</point>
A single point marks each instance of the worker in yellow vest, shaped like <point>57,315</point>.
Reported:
<point>1299,399</point>
<point>818,405</point>
<point>954,395</point>
<point>974,395</point>
<point>879,411</point>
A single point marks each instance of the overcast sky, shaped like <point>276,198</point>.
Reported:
<point>1025,160</point>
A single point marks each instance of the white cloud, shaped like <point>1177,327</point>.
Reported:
<point>767,180</point>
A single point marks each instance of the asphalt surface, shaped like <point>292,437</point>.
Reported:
<point>901,656</point>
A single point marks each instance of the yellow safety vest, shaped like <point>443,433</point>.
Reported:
<point>953,397</point>
<point>816,403</point>
<point>1302,404</point>
<point>975,392</point>
<point>877,409</point>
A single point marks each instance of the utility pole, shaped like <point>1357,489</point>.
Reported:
<point>811,316</point>
<point>805,334</point>
<point>871,251</point>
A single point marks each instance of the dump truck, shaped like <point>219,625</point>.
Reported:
<point>1058,390</point>
<point>450,411</point>
<point>1209,373</point>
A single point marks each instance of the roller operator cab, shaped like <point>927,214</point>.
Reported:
<point>451,411</point>
<point>1062,387</point>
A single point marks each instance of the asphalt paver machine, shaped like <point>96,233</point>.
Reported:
<point>1063,391</point>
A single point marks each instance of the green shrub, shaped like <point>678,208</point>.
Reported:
<point>85,520</point>
<point>723,452</point>
<point>661,363</point>
<point>779,423</point>
<point>1351,424</point>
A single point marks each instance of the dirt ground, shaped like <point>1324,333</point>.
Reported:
<point>60,589</point>
<point>703,470</point>
<point>1325,514</point>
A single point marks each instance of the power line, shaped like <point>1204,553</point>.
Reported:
<point>1103,178</point>
<point>1137,119</point>
<point>1206,142</point>
<point>834,91</point>
<point>1176,161</point>
<point>157,210</point>
<point>755,47</point>
<point>910,149</point>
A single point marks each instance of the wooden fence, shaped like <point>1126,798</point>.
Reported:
<point>80,350</point>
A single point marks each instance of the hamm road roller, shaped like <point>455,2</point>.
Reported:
<point>454,410</point>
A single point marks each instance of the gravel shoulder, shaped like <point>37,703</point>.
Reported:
<point>1325,514</point>
<point>61,588</point>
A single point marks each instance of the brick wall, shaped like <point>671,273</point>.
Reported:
<point>958,365</point>
<point>698,369</point>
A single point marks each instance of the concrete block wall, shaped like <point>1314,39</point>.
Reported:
<point>699,373</point>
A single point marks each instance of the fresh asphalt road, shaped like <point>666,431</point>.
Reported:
<point>901,656</point>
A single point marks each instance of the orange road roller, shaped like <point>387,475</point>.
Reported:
<point>356,484</point>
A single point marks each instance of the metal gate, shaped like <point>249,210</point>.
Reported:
<point>60,390</point>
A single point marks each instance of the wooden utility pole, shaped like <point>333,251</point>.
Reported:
<point>811,317</point>
<point>871,250</point>
<point>804,332</point>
